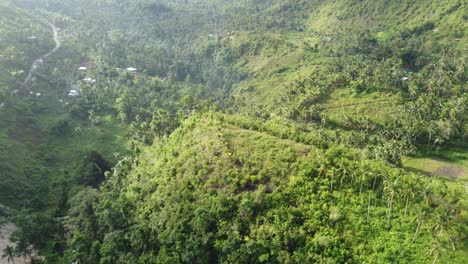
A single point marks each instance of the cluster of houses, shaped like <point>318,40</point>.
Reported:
<point>35,94</point>
<point>90,81</point>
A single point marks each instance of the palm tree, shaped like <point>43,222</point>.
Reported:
<point>390,188</point>
<point>344,172</point>
<point>408,192</point>
<point>419,218</point>
<point>9,253</point>
<point>369,194</point>
<point>23,249</point>
<point>441,226</point>
<point>363,178</point>
<point>436,249</point>
<point>331,174</point>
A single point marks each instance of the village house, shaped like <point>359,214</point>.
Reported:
<point>89,80</point>
<point>73,93</point>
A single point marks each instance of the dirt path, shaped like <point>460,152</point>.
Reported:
<point>452,172</point>
<point>356,104</point>
<point>40,60</point>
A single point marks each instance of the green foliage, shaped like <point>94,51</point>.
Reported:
<point>269,131</point>
<point>235,195</point>
<point>92,169</point>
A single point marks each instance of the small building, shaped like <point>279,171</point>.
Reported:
<point>89,80</point>
<point>405,78</point>
<point>131,69</point>
<point>73,93</point>
<point>82,68</point>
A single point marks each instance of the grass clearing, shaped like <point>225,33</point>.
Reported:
<point>450,164</point>
<point>375,106</point>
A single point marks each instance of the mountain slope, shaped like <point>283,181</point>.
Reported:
<point>277,131</point>
<point>215,192</point>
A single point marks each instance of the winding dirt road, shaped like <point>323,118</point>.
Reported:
<point>41,59</point>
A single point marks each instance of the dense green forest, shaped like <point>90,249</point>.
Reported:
<point>242,131</point>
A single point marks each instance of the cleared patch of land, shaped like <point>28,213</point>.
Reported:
<point>449,164</point>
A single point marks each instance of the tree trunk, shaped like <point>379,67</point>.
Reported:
<point>416,232</point>
<point>429,141</point>
<point>451,241</point>
<point>375,180</point>
<point>368,209</point>
<point>435,259</point>
<point>406,207</point>
<point>390,207</point>
<point>360,189</point>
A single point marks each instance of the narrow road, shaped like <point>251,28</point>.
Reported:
<point>41,59</point>
<point>356,104</point>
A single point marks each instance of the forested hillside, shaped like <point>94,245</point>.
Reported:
<point>23,38</point>
<point>245,131</point>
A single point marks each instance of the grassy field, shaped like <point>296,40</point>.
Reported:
<point>450,164</point>
<point>375,106</point>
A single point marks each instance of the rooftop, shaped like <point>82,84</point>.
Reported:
<point>73,93</point>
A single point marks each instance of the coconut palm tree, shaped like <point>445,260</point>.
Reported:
<point>363,178</point>
<point>9,254</point>
<point>420,216</point>
<point>390,189</point>
<point>331,174</point>
<point>441,226</point>
<point>408,192</point>
<point>435,249</point>
<point>369,195</point>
